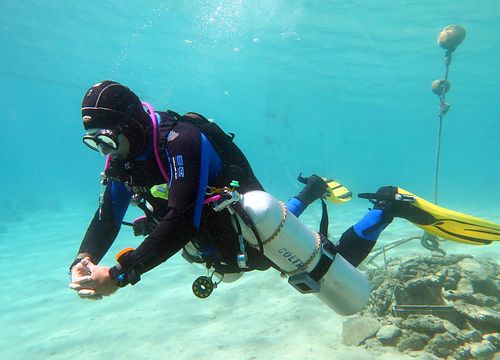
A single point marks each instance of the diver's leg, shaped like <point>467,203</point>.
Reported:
<point>356,243</point>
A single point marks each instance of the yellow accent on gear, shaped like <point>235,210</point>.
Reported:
<point>160,191</point>
<point>452,225</point>
<point>337,193</point>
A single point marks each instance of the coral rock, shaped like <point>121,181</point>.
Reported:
<point>389,334</point>
<point>415,341</point>
<point>426,324</point>
<point>442,345</point>
<point>356,330</point>
<point>482,350</point>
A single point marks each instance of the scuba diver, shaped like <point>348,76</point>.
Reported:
<point>182,171</point>
<point>171,166</point>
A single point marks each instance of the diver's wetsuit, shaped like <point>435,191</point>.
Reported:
<point>193,163</point>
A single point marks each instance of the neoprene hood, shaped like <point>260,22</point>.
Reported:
<point>111,105</point>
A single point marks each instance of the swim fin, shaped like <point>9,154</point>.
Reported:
<point>337,193</point>
<point>334,192</point>
<point>442,222</point>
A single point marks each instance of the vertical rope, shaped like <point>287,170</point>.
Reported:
<point>443,108</point>
<point>438,153</point>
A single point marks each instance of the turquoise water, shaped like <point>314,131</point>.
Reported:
<point>338,88</point>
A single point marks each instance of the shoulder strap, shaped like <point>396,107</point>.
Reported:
<point>235,163</point>
<point>168,119</point>
<point>211,130</point>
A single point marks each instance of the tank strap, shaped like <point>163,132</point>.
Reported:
<point>325,261</point>
<point>323,225</point>
<point>329,250</point>
<point>322,268</point>
<point>248,221</point>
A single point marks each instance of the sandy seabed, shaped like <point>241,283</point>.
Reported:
<point>258,317</point>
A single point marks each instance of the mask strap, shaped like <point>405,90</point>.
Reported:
<point>155,139</point>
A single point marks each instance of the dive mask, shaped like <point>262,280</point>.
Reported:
<point>103,141</point>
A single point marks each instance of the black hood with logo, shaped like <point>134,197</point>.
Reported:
<point>111,105</point>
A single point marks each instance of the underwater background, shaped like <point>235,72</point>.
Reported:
<point>337,88</point>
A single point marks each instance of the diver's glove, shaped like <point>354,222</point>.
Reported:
<point>389,201</point>
<point>315,188</point>
<point>383,212</point>
<point>144,225</point>
<point>386,202</point>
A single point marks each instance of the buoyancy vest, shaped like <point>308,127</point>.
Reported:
<point>235,166</point>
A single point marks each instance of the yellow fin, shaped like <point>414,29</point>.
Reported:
<point>450,224</point>
<point>337,193</point>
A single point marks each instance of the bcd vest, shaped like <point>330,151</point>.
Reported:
<point>235,166</point>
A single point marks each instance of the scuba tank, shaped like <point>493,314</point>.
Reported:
<point>312,263</point>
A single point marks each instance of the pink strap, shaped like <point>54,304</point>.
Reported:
<point>152,115</point>
<point>211,199</point>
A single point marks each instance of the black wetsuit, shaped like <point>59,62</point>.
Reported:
<point>192,163</point>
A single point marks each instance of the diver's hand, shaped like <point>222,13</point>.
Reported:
<point>101,282</point>
<point>81,275</point>
<point>389,201</point>
<point>315,189</point>
<point>96,283</point>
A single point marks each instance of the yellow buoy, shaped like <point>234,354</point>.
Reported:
<point>440,86</point>
<point>451,36</point>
